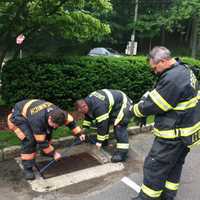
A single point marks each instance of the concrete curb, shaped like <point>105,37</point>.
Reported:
<point>14,151</point>
<point>1,155</point>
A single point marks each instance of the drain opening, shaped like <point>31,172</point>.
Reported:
<point>70,164</point>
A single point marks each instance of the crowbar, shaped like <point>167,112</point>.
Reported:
<point>43,169</point>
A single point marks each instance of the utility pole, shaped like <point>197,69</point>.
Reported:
<point>131,48</point>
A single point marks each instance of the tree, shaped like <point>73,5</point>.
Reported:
<point>78,20</point>
<point>156,20</point>
<point>170,16</point>
<point>190,10</point>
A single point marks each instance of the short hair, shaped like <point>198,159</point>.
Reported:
<point>159,53</point>
<point>58,116</point>
<point>78,103</point>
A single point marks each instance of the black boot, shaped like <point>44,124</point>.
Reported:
<point>167,198</point>
<point>168,195</point>
<point>119,156</point>
<point>28,174</point>
<point>105,143</point>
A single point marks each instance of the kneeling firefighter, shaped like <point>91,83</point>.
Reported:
<point>33,122</point>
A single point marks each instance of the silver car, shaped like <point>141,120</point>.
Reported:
<point>101,51</point>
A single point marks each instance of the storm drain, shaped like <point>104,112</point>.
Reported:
<point>82,163</point>
<point>69,164</point>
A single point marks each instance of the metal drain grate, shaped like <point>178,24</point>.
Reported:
<point>70,164</point>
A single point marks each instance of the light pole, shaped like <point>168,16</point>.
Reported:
<point>131,48</point>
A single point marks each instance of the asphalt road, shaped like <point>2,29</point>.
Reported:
<point>13,186</point>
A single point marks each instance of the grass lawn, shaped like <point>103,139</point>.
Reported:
<point>8,138</point>
<point>150,119</point>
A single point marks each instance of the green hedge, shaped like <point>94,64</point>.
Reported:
<point>63,81</point>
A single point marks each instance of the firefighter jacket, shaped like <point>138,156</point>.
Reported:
<point>174,102</point>
<point>36,112</point>
<point>107,107</point>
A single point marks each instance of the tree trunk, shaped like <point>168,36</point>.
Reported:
<point>194,36</point>
<point>163,36</point>
<point>150,44</point>
<point>2,56</point>
<point>188,32</point>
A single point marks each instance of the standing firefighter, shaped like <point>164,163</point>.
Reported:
<point>174,102</point>
<point>108,107</point>
<point>33,122</point>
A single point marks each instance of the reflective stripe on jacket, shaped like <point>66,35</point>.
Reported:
<point>35,112</point>
<point>175,104</point>
<point>106,107</point>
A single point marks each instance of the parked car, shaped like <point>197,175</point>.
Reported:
<point>101,51</point>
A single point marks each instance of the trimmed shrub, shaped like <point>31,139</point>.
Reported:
<point>64,80</point>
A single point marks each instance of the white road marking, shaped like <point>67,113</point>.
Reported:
<point>131,184</point>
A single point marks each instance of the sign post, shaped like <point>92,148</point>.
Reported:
<point>19,41</point>
<point>131,48</point>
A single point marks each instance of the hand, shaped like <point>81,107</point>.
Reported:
<point>142,122</point>
<point>82,137</point>
<point>57,156</point>
<point>144,96</point>
<point>98,145</point>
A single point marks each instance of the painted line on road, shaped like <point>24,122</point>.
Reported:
<point>131,184</point>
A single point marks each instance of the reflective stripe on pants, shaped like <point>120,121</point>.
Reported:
<point>20,134</point>
<point>164,163</point>
<point>28,156</point>
<point>121,135</point>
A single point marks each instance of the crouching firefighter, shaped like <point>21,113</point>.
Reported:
<point>174,102</point>
<point>108,107</point>
<point>33,122</point>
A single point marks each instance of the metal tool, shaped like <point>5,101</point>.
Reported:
<point>90,139</point>
<point>43,169</point>
<point>38,169</point>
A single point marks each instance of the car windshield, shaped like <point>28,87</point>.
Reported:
<point>113,51</point>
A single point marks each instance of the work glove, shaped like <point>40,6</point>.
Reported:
<point>57,156</point>
<point>142,121</point>
<point>144,96</point>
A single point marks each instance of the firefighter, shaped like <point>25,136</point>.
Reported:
<point>33,122</point>
<point>108,107</point>
<point>174,102</point>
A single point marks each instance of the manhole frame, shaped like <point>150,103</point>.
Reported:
<point>58,182</point>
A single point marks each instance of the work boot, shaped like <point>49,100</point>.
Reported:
<point>141,197</point>
<point>28,174</point>
<point>105,143</point>
<point>119,156</point>
<point>167,198</point>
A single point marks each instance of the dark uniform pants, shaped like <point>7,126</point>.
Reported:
<point>120,130</point>
<point>121,136</point>
<point>28,146</point>
<point>29,142</point>
<point>162,169</point>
